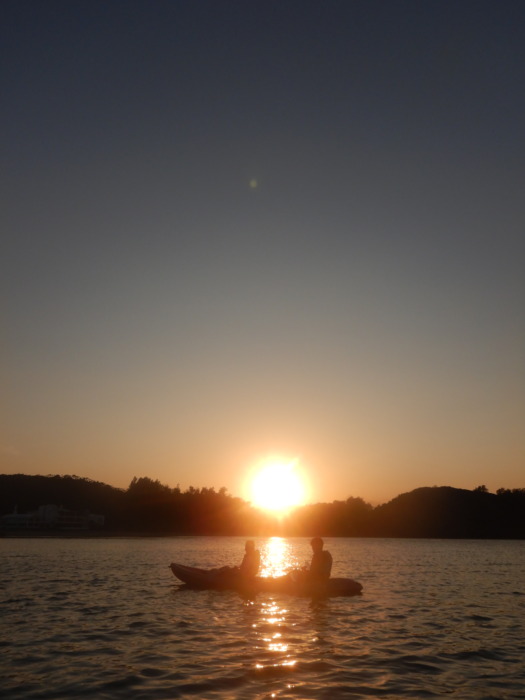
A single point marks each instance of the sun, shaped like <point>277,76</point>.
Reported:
<point>278,485</point>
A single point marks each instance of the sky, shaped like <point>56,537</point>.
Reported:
<point>241,228</point>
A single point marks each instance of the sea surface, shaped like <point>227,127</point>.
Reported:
<point>106,618</point>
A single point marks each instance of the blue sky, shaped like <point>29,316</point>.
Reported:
<point>236,229</point>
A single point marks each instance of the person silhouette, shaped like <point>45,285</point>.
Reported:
<point>251,562</point>
<point>321,564</point>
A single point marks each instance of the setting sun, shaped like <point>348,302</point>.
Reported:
<point>277,485</point>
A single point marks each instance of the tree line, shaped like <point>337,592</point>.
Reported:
<point>148,507</point>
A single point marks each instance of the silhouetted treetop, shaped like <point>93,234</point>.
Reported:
<point>150,507</point>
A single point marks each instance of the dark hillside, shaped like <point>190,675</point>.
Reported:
<point>449,512</point>
<point>149,507</point>
<point>28,492</point>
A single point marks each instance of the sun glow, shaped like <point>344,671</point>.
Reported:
<point>278,485</point>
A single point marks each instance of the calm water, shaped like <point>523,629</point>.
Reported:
<point>106,619</point>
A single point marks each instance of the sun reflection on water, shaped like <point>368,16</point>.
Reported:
<point>277,557</point>
<point>275,613</point>
<point>276,645</point>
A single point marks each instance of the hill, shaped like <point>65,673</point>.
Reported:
<point>149,507</point>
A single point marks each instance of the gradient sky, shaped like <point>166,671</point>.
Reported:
<point>240,228</point>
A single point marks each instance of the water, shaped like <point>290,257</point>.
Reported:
<point>105,618</point>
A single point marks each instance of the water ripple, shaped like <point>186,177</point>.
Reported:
<point>436,619</point>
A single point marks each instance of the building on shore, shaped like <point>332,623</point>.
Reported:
<point>52,517</point>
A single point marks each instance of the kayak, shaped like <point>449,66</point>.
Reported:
<point>295,583</point>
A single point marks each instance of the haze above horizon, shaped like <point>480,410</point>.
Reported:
<point>233,231</point>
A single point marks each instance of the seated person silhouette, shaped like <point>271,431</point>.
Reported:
<point>251,561</point>
<point>321,564</point>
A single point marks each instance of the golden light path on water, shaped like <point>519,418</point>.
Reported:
<point>277,558</point>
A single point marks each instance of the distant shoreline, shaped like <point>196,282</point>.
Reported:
<point>150,536</point>
<point>71,507</point>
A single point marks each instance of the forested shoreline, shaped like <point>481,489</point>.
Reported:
<point>148,507</point>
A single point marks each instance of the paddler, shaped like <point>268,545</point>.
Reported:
<point>251,561</point>
<point>321,564</point>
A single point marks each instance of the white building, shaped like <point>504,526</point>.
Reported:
<point>52,517</point>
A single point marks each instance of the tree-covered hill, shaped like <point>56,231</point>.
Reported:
<point>450,512</point>
<point>27,493</point>
<point>149,507</point>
